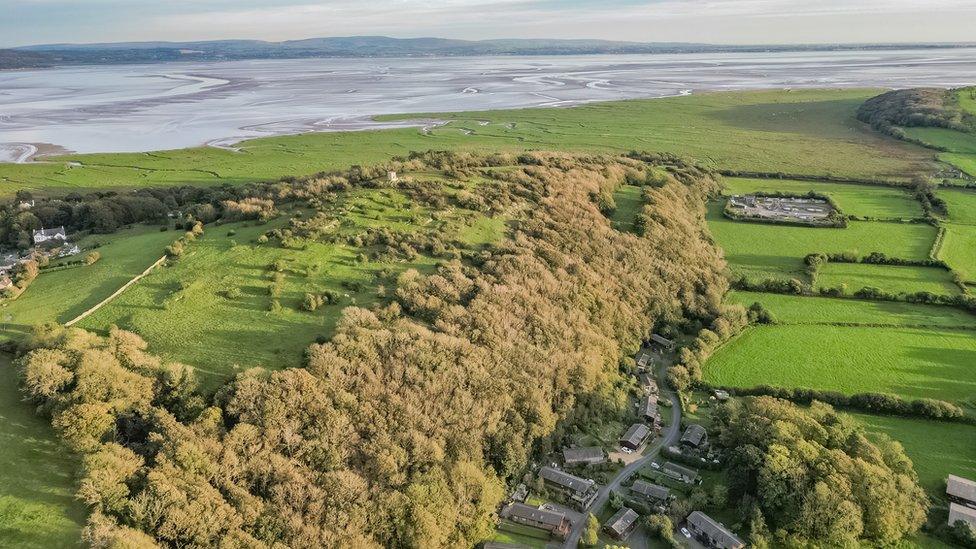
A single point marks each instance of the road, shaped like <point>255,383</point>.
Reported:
<point>670,437</point>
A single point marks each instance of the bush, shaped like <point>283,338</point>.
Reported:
<point>92,257</point>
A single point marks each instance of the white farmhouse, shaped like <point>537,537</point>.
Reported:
<point>48,235</point>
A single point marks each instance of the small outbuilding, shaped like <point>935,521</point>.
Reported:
<point>635,436</point>
<point>961,490</point>
<point>663,342</point>
<point>695,437</point>
<point>680,472</point>
<point>622,523</point>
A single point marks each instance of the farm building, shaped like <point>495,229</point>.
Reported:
<point>962,513</point>
<point>679,472</point>
<point>553,522</point>
<point>649,412</point>
<point>622,523</point>
<point>581,491</point>
<point>653,493</point>
<point>48,235</point>
<point>712,533</point>
<point>663,342</point>
<point>635,436</point>
<point>961,490</point>
<point>694,437</point>
<point>584,456</point>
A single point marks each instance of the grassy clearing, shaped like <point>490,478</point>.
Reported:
<point>910,362</point>
<point>959,249</point>
<point>37,504</point>
<point>629,199</point>
<point>860,200</point>
<point>811,132</point>
<point>890,278</point>
<point>64,294</point>
<point>788,309</point>
<point>761,251</point>
<point>961,204</point>
<point>936,448</point>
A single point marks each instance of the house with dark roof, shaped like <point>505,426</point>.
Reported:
<point>961,490</point>
<point>635,436</point>
<point>647,383</point>
<point>962,513</point>
<point>591,455</point>
<point>580,491</point>
<point>712,533</point>
<point>651,493</point>
<point>622,523</point>
<point>649,412</point>
<point>694,437</point>
<point>49,235</point>
<point>643,360</point>
<point>680,472</point>
<point>663,342</point>
<point>553,522</point>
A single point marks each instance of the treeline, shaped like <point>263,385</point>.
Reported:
<point>402,429</point>
<point>916,107</point>
<point>731,319</point>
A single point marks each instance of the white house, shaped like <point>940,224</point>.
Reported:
<point>47,235</point>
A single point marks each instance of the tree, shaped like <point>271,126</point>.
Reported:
<point>591,533</point>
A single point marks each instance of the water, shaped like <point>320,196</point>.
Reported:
<point>164,106</point>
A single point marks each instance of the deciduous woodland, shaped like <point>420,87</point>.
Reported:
<point>402,429</point>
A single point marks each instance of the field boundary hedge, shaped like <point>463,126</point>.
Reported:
<point>815,178</point>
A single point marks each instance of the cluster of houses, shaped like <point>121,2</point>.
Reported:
<point>47,242</point>
<point>962,500</point>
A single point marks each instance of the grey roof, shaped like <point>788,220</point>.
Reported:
<point>650,490</point>
<point>723,537</point>
<point>961,488</point>
<point>622,520</point>
<point>648,407</point>
<point>521,510</point>
<point>647,380</point>
<point>961,512</point>
<point>50,232</point>
<point>583,454</point>
<point>680,470</point>
<point>566,480</point>
<point>694,434</point>
<point>661,340</point>
<point>636,434</point>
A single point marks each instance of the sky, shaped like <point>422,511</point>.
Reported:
<point>25,22</point>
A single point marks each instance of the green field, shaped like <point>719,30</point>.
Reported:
<point>629,199</point>
<point>890,278</point>
<point>37,504</point>
<point>959,249</point>
<point>944,139</point>
<point>810,132</point>
<point>961,204</point>
<point>859,200</point>
<point>61,295</point>
<point>910,362</point>
<point>788,309</point>
<point>760,251</point>
<point>967,99</point>
<point>936,448</point>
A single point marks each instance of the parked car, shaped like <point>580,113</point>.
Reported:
<point>686,533</point>
<point>627,450</point>
<point>655,465</point>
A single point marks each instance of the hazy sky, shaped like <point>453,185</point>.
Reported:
<point>25,22</point>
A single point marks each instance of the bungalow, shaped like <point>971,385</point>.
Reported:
<point>663,342</point>
<point>553,522</point>
<point>680,473</point>
<point>652,493</point>
<point>962,513</point>
<point>580,491</point>
<point>694,437</point>
<point>635,436</point>
<point>47,235</point>
<point>961,490</point>
<point>712,533</point>
<point>649,412</point>
<point>622,523</point>
<point>591,455</point>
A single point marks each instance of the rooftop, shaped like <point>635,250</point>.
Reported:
<point>622,520</point>
<point>714,530</point>
<point>961,488</point>
<point>565,479</point>
<point>694,434</point>
<point>961,512</point>
<point>636,434</point>
<point>583,454</point>
<point>680,469</point>
<point>650,490</point>
<point>521,510</point>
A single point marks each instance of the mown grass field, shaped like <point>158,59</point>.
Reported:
<point>860,200</point>
<point>629,200</point>
<point>961,204</point>
<point>60,295</point>
<point>910,362</point>
<point>890,278</point>
<point>958,249</point>
<point>789,309</point>
<point>37,504</point>
<point>810,132</point>
<point>759,251</point>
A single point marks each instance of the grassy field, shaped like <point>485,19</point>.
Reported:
<point>788,309</point>
<point>961,204</point>
<point>811,132</point>
<point>910,362</point>
<point>629,200</point>
<point>959,249</point>
<point>776,251</point>
<point>64,294</point>
<point>945,139</point>
<point>860,200</point>
<point>37,504</point>
<point>890,278</point>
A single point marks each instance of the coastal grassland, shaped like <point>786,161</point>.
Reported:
<point>911,362</point>
<point>959,249</point>
<point>944,139</point>
<point>759,251</point>
<point>790,309</point>
<point>60,295</point>
<point>890,278</point>
<point>37,504</point>
<point>936,448</point>
<point>967,99</point>
<point>189,300</point>
<point>629,200</point>
<point>961,204</point>
<point>859,200</point>
<point>810,132</point>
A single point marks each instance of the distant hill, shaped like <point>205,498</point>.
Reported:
<point>18,59</point>
<point>371,46</point>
